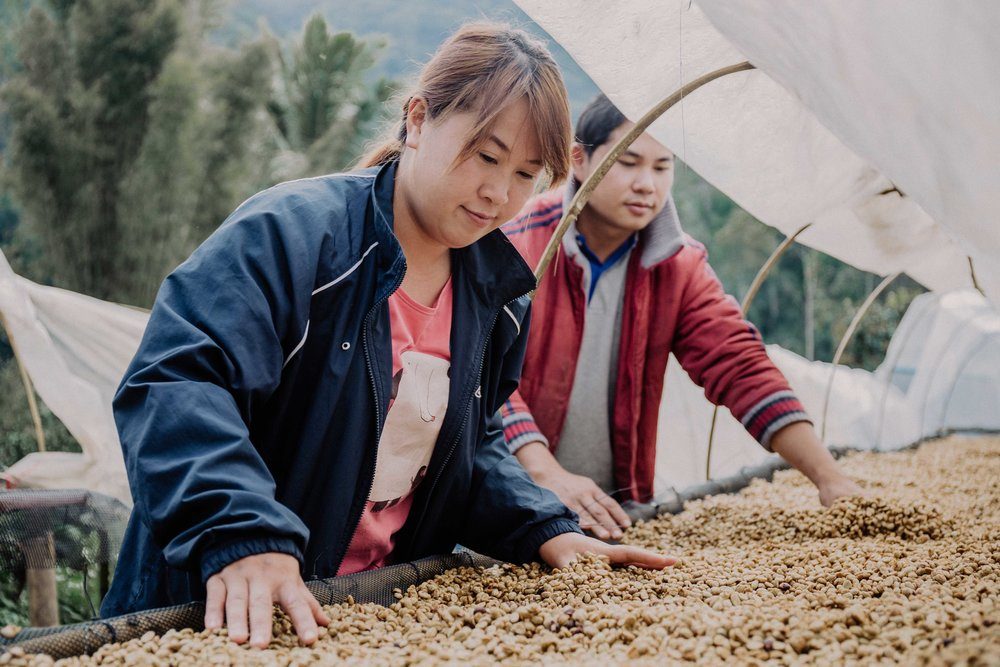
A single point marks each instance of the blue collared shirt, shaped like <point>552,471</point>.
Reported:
<point>597,267</point>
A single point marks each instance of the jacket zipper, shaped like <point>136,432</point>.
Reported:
<point>378,410</point>
<point>465,419</point>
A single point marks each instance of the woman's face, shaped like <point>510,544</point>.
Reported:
<point>457,203</point>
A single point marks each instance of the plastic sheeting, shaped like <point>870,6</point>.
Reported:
<point>75,349</point>
<point>853,104</point>
<point>941,373</point>
<point>945,357</point>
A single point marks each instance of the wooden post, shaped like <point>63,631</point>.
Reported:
<point>43,599</point>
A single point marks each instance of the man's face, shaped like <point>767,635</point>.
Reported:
<point>638,184</point>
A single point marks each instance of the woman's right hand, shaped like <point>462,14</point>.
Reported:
<point>562,550</point>
<point>247,590</point>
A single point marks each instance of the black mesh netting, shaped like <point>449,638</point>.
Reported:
<point>375,586</point>
<point>42,530</point>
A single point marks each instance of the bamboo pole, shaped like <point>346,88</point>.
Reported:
<point>583,194</point>
<point>36,417</point>
<point>748,298</point>
<point>758,280</point>
<point>975,280</point>
<point>855,321</point>
<point>587,188</point>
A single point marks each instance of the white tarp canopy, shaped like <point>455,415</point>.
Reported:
<point>852,104</point>
<point>75,349</point>
<point>941,373</point>
<point>945,357</point>
<point>877,122</point>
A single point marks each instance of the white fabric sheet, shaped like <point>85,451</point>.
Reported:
<point>851,100</point>
<point>75,349</point>
<point>942,371</point>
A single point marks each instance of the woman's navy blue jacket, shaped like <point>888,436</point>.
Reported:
<point>250,414</point>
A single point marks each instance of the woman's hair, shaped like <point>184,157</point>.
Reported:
<point>482,68</point>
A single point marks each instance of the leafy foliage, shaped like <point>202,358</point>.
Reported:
<point>321,105</point>
<point>411,30</point>
<point>79,110</point>
<point>739,245</point>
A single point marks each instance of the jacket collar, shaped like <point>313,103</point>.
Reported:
<point>501,274</point>
<point>660,240</point>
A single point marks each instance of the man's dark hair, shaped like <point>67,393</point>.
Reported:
<point>596,123</point>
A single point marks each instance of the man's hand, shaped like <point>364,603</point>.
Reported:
<point>838,487</point>
<point>560,551</point>
<point>598,512</point>
<point>251,586</point>
<point>797,443</point>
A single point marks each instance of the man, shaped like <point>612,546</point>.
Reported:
<point>626,289</point>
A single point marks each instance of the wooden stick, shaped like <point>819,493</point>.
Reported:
<point>36,417</point>
<point>855,321</point>
<point>748,298</point>
<point>583,194</point>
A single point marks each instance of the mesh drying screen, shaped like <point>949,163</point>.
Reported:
<point>42,531</point>
<point>374,586</point>
<point>32,518</point>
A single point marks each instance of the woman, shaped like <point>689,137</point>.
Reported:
<point>316,392</point>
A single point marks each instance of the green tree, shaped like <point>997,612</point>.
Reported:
<point>131,139</point>
<point>809,298</point>
<point>204,152</point>
<point>12,15</point>
<point>322,107</point>
<point>79,112</point>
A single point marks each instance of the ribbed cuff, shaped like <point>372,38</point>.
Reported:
<point>519,429</point>
<point>772,414</point>
<point>219,556</point>
<point>777,425</point>
<point>526,439</point>
<point>527,550</point>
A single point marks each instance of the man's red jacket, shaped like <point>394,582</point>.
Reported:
<point>673,303</point>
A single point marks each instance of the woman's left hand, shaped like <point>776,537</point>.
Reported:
<point>560,551</point>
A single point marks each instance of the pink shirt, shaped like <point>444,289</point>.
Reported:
<point>421,358</point>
